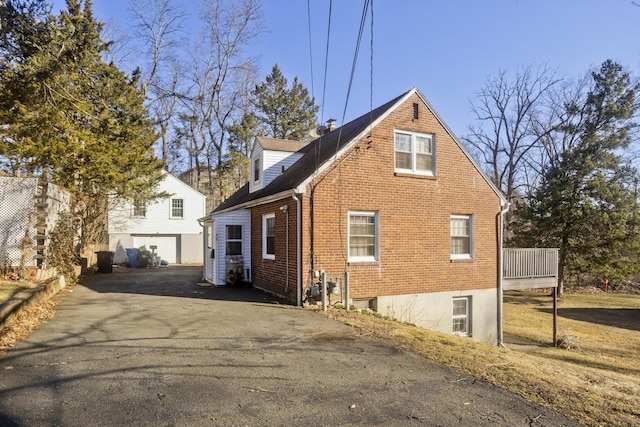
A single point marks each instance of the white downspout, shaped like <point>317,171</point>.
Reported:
<point>505,209</point>
<point>298,249</point>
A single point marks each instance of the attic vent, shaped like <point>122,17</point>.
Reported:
<point>415,111</point>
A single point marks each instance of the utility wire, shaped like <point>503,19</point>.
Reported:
<point>363,20</point>
<point>326,63</point>
<point>310,45</point>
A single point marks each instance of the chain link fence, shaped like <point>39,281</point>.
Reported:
<point>29,210</point>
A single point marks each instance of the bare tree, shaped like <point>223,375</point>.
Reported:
<point>217,84</point>
<point>510,116</point>
<point>159,33</point>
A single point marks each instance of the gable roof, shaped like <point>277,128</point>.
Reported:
<point>321,152</point>
<point>276,144</point>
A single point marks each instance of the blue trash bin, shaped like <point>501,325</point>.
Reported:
<point>132,254</point>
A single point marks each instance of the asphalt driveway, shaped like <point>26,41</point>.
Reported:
<point>152,348</point>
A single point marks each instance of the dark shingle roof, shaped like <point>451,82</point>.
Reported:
<point>315,155</point>
<point>276,144</point>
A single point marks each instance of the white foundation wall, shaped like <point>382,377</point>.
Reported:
<point>435,311</point>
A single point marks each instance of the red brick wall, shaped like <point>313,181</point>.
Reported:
<point>272,274</point>
<point>413,212</point>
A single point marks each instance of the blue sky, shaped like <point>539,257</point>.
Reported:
<point>447,48</point>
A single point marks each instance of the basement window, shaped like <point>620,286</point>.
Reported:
<point>461,316</point>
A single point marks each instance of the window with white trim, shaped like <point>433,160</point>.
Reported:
<point>461,316</point>
<point>363,236</point>
<point>139,208</point>
<point>233,239</point>
<point>177,208</point>
<point>414,153</point>
<point>461,237</point>
<point>269,236</point>
<point>256,169</point>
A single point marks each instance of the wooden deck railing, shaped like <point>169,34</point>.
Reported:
<point>529,268</point>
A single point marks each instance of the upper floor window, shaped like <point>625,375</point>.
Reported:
<point>363,236</point>
<point>177,208</point>
<point>139,208</point>
<point>256,169</point>
<point>414,153</point>
<point>269,236</point>
<point>461,236</point>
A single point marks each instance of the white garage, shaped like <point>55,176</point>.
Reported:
<point>167,246</point>
<point>171,224</point>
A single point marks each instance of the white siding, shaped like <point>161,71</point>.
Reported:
<point>158,222</point>
<point>274,161</point>
<point>271,164</point>
<point>240,217</point>
<point>158,216</point>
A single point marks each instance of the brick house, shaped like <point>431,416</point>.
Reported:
<point>391,198</point>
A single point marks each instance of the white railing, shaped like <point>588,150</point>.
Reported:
<point>523,263</point>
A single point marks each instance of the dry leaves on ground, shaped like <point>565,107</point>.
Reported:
<point>26,322</point>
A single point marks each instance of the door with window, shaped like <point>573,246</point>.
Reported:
<point>210,253</point>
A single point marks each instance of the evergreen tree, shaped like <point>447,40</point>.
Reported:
<point>286,113</point>
<point>69,116</point>
<point>587,204</point>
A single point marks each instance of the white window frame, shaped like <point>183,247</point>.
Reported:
<point>265,218</point>
<point>256,170</point>
<point>468,255</point>
<point>413,151</point>
<point>138,209</point>
<point>227,240</point>
<point>465,317</point>
<point>172,208</point>
<point>376,249</point>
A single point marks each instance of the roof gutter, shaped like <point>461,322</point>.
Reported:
<point>261,201</point>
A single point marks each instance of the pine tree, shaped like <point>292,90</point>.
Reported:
<point>79,121</point>
<point>286,113</point>
<point>587,203</point>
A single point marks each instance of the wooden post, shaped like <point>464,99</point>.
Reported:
<point>555,316</point>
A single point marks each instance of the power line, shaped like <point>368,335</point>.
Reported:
<point>310,45</point>
<point>326,63</point>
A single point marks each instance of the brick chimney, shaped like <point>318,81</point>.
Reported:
<point>331,125</point>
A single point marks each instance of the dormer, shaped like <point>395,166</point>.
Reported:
<point>270,157</point>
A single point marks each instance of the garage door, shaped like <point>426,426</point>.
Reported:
<point>167,246</point>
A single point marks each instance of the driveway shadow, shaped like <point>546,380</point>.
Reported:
<point>626,318</point>
<point>173,281</point>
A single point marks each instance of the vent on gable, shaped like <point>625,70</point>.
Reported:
<point>415,111</point>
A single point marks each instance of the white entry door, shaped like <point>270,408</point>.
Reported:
<point>167,246</point>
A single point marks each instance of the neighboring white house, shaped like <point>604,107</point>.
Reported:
<point>170,224</point>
